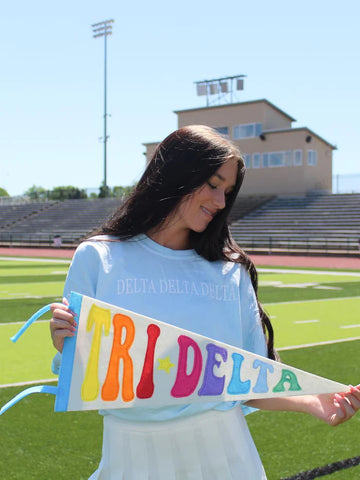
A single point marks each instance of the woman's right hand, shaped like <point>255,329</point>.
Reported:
<point>62,324</point>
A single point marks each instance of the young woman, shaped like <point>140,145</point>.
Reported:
<point>167,253</point>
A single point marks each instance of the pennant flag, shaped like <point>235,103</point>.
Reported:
<point>121,359</point>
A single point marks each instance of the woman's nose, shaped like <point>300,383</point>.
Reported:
<point>219,198</point>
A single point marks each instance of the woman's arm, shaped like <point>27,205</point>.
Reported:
<point>331,408</point>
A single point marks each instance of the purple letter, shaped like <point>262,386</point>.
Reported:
<point>213,385</point>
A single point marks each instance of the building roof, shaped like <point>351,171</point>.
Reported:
<point>311,132</point>
<point>263,100</point>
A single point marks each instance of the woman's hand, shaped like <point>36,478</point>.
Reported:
<point>337,408</point>
<point>62,324</point>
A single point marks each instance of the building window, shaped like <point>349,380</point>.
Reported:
<point>247,159</point>
<point>258,129</point>
<point>298,158</point>
<point>247,130</point>
<point>276,159</point>
<point>312,157</point>
<point>223,130</point>
<point>265,160</point>
<point>256,160</point>
<point>289,158</point>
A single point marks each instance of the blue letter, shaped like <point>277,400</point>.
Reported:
<point>236,385</point>
<point>261,384</point>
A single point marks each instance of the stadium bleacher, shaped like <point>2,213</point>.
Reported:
<point>70,219</point>
<point>326,223</point>
<point>246,204</point>
<point>11,214</point>
<point>313,223</point>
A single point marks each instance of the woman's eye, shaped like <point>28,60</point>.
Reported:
<point>211,185</point>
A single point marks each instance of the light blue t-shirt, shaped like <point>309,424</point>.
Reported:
<point>179,287</point>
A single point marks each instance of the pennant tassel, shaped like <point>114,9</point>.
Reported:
<point>27,392</point>
<point>29,322</point>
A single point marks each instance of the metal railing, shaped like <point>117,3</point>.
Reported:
<point>39,239</point>
<point>306,244</point>
<point>255,243</point>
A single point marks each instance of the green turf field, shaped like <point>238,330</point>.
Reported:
<point>24,288</point>
<point>306,308</point>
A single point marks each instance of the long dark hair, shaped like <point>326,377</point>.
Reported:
<point>183,162</point>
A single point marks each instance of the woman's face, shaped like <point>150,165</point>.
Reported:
<point>197,210</point>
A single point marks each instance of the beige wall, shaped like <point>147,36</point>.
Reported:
<point>288,179</point>
<point>228,115</point>
<point>273,119</point>
<point>284,180</point>
<point>150,150</point>
<point>235,114</point>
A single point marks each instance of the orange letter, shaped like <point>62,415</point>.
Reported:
<point>110,389</point>
<point>101,317</point>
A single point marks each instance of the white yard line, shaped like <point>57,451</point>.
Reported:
<point>305,345</point>
<point>46,260</point>
<point>350,326</point>
<point>32,382</point>
<point>307,321</point>
<point>310,272</point>
<point>21,323</point>
<point>310,301</point>
<point>324,287</point>
<point>13,296</point>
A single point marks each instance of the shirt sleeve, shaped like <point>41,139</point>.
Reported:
<point>55,365</point>
<point>83,273</point>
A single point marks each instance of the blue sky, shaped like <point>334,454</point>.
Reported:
<point>301,56</point>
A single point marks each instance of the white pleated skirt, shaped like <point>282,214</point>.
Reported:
<point>214,445</point>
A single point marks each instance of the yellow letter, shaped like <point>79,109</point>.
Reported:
<point>101,318</point>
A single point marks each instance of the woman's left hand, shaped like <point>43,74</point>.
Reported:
<point>337,408</point>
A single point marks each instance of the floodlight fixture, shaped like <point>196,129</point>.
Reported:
<point>105,22</point>
<point>214,88</point>
<point>201,89</point>
<point>103,29</point>
<point>222,87</point>
<point>239,84</point>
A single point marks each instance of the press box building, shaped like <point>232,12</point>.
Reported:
<point>280,160</point>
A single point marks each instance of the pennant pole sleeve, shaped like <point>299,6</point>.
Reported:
<point>67,361</point>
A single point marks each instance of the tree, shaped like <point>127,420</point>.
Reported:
<point>36,193</point>
<point>104,191</point>
<point>3,192</point>
<point>120,191</point>
<point>66,193</point>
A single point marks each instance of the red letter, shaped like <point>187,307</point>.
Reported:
<point>145,388</point>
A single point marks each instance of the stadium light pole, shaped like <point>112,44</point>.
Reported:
<point>103,29</point>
